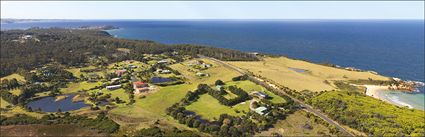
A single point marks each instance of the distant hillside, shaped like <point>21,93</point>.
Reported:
<point>34,47</point>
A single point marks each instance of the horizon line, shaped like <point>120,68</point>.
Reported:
<point>229,19</point>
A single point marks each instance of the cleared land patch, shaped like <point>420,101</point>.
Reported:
<point>14,75</point>
<point>296,124</point>
<point>20,110</point>
<point>3,103</point>
<point>281,70</point>
<point>74,87</point>
<point>16,91</point>
<point>210,108</point>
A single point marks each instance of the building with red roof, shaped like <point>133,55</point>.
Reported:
<point>140,87</point>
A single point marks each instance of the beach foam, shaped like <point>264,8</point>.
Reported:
<point>396,100</point>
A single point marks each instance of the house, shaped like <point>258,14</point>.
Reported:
<point>27,37</point>
<point>254,53</point>
<point>131,66</point>
<point>162,61</point>
<point>113,87</point>
<point>175,53</point>
<point>205,65</point>
<point>164,71</point>
<point>219,87</point>
<point>352,69</point>
<point>201,74</point>
<point>260,110</point>
<point>115,79</point>
<point>120,72</point>
<point>261,95</point>
<point>140,87</point>
<point>139,84</point>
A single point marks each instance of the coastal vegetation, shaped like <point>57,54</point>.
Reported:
<point>366,114</point>
<point>297,124</point>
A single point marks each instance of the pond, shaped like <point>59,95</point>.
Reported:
<point>298,70</point>
<point>155,80</point>
<point>48,104</point>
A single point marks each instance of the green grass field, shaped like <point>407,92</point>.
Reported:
<point>74,87</point>
<point>123,65</point>
<point>14,75</point>
<point>16,91</point>
<point>279,70</point>
<point>209,108</point>
<point>20,110</point>
<point>76,71</point>
<point>3,103</point>
<point>120,93</point>
<point>216,72</point>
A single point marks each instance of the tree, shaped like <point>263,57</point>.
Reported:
<point>219,82</point>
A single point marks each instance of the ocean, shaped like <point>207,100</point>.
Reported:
<point>390,47</point>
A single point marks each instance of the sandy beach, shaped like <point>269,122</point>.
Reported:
<point>372,90</point>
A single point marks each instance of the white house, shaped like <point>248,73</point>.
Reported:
<point>113,87</point>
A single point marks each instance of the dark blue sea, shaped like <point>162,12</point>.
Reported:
<point>390,47</point>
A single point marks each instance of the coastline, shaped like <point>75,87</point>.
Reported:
<point>372,90</point>
<point>376,92</point>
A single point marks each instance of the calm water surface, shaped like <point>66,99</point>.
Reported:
<point>48,104</point>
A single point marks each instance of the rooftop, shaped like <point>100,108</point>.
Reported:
<point>138,83</point>
<point>260,110</point>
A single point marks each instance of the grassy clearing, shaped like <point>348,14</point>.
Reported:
<point>20,110</point>
<point>14,75</point>
<point>124,65</point>
<point>74,87</point>
<point>216,72</point>
<point>294,124</point>
<point>76,71</point>
<point>16,91</point>
<point>3,103</point>
<point>120,93</point>
<point>209,108</point>
<point>166,97</point>
<point>279,70</point>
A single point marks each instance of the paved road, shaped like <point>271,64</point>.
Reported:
<point>307,107</point>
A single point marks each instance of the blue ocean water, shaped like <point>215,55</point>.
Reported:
<point>390,47</point>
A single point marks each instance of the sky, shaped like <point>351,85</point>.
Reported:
<point>213,10</point>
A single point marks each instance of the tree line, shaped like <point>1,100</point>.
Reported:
<point>101,122</point>
<point>225,125</point>
<point>218,94</point>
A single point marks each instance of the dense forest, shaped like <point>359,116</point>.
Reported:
<point>31,48</point>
